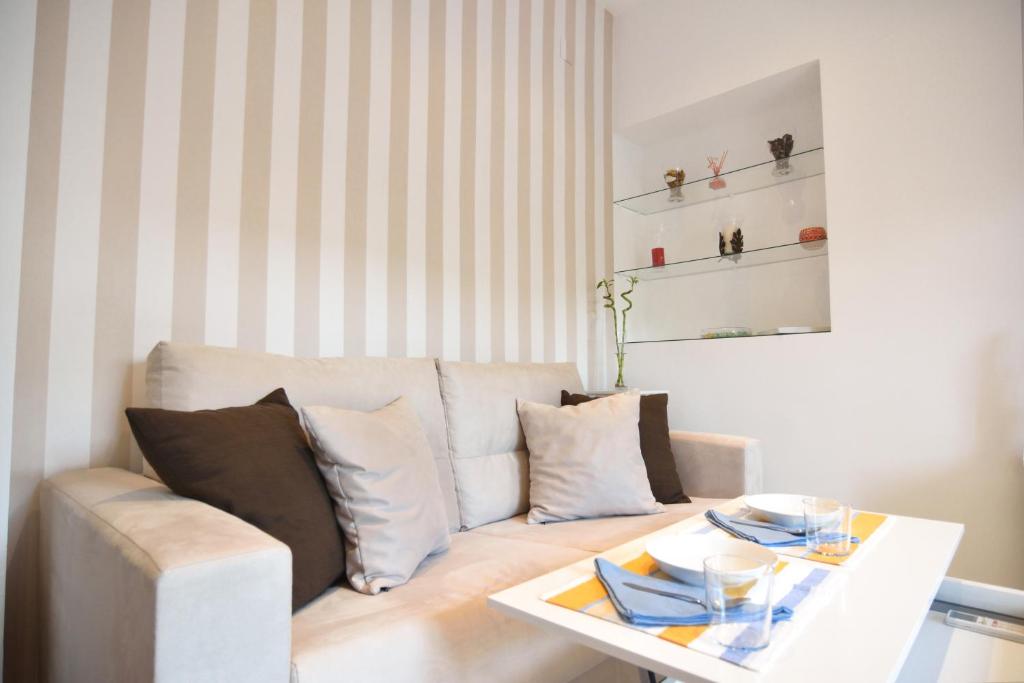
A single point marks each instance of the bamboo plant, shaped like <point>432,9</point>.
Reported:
<point>620,338</point>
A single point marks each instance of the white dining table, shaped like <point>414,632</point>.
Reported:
<point>862,630</point>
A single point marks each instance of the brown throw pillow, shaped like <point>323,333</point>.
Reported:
<point>255,463</point>
<point>655,445</point>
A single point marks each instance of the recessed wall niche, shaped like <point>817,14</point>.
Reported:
<point>743,252</point>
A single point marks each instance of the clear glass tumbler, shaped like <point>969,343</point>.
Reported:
<point>828,524</point>
<point>738,597</point>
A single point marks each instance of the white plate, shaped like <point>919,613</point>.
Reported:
<point>682,556</point>
<point>778,508</point>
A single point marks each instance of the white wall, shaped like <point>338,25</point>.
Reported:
<point>914,404</point>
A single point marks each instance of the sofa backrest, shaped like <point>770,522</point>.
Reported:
<point>487,443</point>
<point>191,377</point>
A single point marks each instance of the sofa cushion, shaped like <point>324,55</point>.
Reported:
<point>595,535</point>
<point>585,460</point>
<point>190,377</point>
<point>655,445</point>
<point>438,626</point>
<point>253,462</point>
<point>487,444</point>
<point>381,476</point>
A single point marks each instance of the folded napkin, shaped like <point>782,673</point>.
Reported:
<point>641,608</point>
<point>768,535</point>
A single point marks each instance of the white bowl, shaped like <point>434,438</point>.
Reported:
<point>682,556</point>
<point>778,508</point>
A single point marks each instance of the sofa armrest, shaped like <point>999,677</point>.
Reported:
<point>144,585</point>
<point>715,465</point>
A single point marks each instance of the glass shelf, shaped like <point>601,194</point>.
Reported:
<point>748,259</point>
<point>766,333</point>
<point>802,165</point>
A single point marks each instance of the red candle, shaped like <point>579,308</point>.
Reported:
<point>658,256</point>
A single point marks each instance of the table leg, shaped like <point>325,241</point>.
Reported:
<point>647,676</point>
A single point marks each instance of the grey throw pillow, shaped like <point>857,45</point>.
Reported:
<point>585,460</point>
<point>380,473</point>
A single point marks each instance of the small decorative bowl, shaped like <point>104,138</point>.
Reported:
<point>812,234</point>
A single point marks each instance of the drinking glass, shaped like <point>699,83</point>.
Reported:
<point>738,596</point>
<point>828,526</point>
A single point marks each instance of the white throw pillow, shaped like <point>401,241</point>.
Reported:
<point>585,460</point>
<point>380,473</point>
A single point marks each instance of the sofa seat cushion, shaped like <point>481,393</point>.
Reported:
<point>437,627</point>
<point>595,535</point>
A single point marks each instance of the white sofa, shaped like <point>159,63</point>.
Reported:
<point>141,584</point>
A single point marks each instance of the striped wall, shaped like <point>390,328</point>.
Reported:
<point>310,177</point>
<point>17,21</point>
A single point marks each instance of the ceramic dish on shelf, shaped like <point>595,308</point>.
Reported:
<point>785,509</point>
<point>725,332</point>
<point>812,234</point>
<point>682,556</point>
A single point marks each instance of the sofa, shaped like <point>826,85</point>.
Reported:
<point>140,584</point>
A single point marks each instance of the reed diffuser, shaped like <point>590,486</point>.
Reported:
<point>716,164</point>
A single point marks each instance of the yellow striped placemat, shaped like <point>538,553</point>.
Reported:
<point>590,597</point>
<point>864,525</point>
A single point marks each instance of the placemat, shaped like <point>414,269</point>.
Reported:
<point>794,585</point>
<point>864,525</point>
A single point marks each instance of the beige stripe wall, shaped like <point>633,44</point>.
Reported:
<point>28,436</point>
<point>355,177</point>
<point>17,38</point>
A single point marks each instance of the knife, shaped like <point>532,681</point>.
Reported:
<point>796,531</point>
<point>730,603</point>
<point>664,594</point>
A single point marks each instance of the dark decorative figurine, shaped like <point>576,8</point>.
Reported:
<point>733,246</point>
<point>781,149</point>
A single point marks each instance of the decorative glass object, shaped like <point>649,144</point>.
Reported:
<point>729,221</point>
<point>781,148</point>
<point>730,241</point>
<point>674,178</point>
<point>715,164</point>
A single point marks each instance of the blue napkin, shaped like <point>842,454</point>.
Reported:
<point>767,535</point>
<point>641,608</point>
